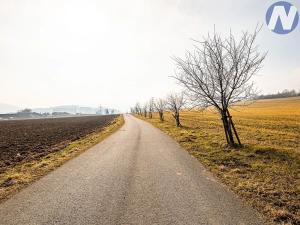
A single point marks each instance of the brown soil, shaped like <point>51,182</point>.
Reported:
<point>26,140</point>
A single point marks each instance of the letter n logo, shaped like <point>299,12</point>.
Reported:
<point>282,17</point>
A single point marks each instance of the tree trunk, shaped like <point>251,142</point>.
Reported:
<point>230,134</point>
<point>177,119</point>
<point>161,116</point>
<point>233,127</point>
<point>150,115</point>
<point>227,129</point>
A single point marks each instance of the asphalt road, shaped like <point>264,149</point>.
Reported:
<point>136,176</point>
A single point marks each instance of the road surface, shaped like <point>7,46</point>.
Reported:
<point>136,176</point>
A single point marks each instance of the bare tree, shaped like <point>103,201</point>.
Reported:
<point>132,110</point>
<point>160,107</point>
<point>26,110</point>
<point>150,107</point>
<point>175,102</point>
<point>138,109</point>
<point>218,73</point>
<point>145,109</point>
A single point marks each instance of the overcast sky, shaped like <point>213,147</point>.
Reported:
<point>117,52</point>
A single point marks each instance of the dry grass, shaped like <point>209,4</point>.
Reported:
<point>265,172</point>
<point>18,177</point>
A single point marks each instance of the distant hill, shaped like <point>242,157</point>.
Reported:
<point>70,109</point>
<point>75,109</point>
<point>6,108</point>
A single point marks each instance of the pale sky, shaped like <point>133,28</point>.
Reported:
<point>117,52</point>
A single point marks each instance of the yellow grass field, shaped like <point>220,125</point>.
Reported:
<point>266,171</point>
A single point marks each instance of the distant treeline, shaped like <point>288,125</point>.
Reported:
<point>28,114</point>
<point>284,94</point>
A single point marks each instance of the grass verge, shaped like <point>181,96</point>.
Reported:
<point>263,173</point>
<point>14,179</point>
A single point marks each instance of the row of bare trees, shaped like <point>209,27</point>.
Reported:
<point>216,73</point>
<point>173,103</point>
